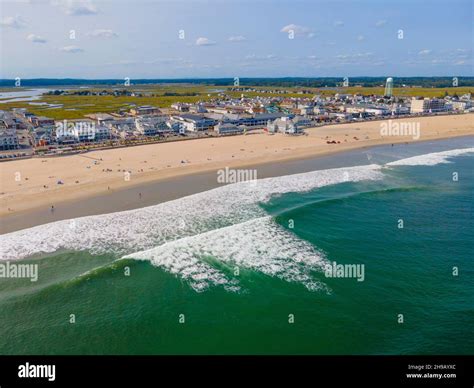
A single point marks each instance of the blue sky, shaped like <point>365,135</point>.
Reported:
<point>141,39</point>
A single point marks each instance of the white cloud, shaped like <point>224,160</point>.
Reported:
<point>101,33</point>
<point>12,22</point>
<point>355,59</point>
<point>338,23</point>
<point>76,7</point>
<point>380,23</point>
<point>170,60</point>
<point>204,42</point>
<point>298,30</point>
<point>424,52</point>
<point>356,55</point>
<point>360,38</point>
<point>238,38</point>
<point>127,62</point>
<point>462,54</point>
<point>36,38</point>
<point>71,49</point>
<point>261,57</point>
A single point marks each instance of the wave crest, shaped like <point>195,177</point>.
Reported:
<point>431,159</point>
<point>259,245</point>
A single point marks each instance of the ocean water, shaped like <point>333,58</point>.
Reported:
<point>241,269</point>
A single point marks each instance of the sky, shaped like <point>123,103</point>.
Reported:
<point>235,38</point>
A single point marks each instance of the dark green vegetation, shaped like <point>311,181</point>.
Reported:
<point>432,82</point>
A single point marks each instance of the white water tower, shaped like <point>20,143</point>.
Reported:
<point>389,87</point>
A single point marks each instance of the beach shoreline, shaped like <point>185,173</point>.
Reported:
<point>104,192</point>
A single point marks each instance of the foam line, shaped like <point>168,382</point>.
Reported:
<point>259,245</point>
<point>431,159</point>
<point>140,229</point>
<point>203,237</point>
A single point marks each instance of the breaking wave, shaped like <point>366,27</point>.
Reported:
<point>203,237</point>
<point>259,245</point>
<point>141,229</point>
<point>431,159</point>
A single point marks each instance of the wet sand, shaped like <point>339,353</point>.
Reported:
<point>26,202</point>
<point>164,190</point>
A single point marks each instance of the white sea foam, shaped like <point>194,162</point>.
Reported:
<point>202,237</point>
<point>431,159</point>
<point>259,245</point>
<point>141,229</point>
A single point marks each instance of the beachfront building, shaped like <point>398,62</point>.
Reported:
<point>80,132</point>
<point>64,137</point>
<point>284,125</point>
<point>229,129</point>
<point>377,110</point>
<point>151,126</point>
<point>8,138</point>
<point>176,127</point>
<point>260,120</point>
<point>83,133</point>
<point>427,105</point>
<point>366,109</point>
<point>339,117</point>
<point>122,128</point>
<point>43,135</point>
<point>101,133</point>
<point>303,121</point>
<point>229,118</point>
<point>460,106</point>
<point>194,123</point>
<point>399,109</point>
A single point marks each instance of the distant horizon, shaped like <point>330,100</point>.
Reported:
<point>241,78</point>
<point>245,82</point>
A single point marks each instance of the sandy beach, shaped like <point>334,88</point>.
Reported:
<point>40,183</point>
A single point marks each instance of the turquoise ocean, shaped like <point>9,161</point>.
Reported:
<point>241,269</point>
